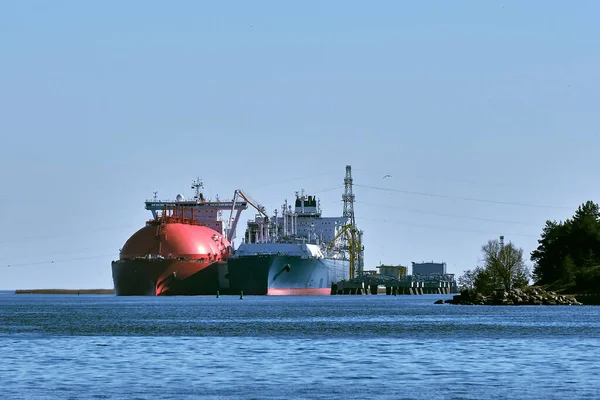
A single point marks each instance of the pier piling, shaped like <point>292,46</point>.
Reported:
<point>406,286</point>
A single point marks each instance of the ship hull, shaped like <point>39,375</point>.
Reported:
<point>168,277</point>
<point>285,275</point>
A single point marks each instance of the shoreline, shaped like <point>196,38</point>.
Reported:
<point>530,295</point>
<point>65,291</point>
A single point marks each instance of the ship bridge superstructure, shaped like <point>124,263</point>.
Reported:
<point>302,223</point>
<point>198,210</point>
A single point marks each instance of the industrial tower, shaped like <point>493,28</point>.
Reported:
<point>348,196</point>
<point>355,244</point>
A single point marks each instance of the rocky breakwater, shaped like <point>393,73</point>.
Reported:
<point>520,297</point>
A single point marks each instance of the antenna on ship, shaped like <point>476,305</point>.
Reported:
<point>197,185</point>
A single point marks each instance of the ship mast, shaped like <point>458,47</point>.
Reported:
<point>197,185</point>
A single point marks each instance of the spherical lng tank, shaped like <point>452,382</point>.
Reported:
<point>176,240</point>
<point>172,258</point>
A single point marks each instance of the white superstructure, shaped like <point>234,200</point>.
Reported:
<point>300,230</point>
<point>288,249</point>
<point>204,211</point>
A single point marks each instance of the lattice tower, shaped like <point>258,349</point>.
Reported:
<point>348,196</point>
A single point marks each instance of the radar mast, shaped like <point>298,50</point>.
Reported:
<point>197,185</point>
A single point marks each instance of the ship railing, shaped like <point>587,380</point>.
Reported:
<point>151,257</point>
<point>158,257</point>
<point>224,204</point>
<point>311,257</point>
<point>166,219</point>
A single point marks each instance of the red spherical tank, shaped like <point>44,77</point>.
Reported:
<point>193,242</point>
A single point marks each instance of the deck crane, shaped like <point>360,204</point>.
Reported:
<point>354,246</point>
<point>258,207</point>
<point>249,200</point>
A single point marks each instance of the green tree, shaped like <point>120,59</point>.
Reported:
<point>485,281</point>
<point>567,247</point>
<point>585,235</point>
<point>468,279</point>
<point>505,264</point>
<point>551,252</point>
<point>503,268</point>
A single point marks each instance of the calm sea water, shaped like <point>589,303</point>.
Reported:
<point>389,347</point>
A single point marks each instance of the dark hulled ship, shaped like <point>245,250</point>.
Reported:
<point>182,250</point>
<point>299,252</point>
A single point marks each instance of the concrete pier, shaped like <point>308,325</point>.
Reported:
<point>392,287</point>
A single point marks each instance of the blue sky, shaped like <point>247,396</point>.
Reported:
<point>103,103</point>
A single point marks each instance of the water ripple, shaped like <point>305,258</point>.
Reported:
<point>404,347</point>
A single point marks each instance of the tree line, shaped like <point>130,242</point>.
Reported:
<point>569,251</point>
<point>568,254</point>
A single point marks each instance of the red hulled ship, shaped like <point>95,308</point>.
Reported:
<point>182,250</point>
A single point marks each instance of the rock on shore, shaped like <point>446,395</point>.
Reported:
<point>526,296</point>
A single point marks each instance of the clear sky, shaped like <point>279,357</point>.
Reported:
<point>102,103</point>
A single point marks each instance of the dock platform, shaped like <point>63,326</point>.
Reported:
<point>368,285</point>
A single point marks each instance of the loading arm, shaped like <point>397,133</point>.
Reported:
<point>253,203</point>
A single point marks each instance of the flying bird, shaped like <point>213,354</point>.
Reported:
<point>386,176</point>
